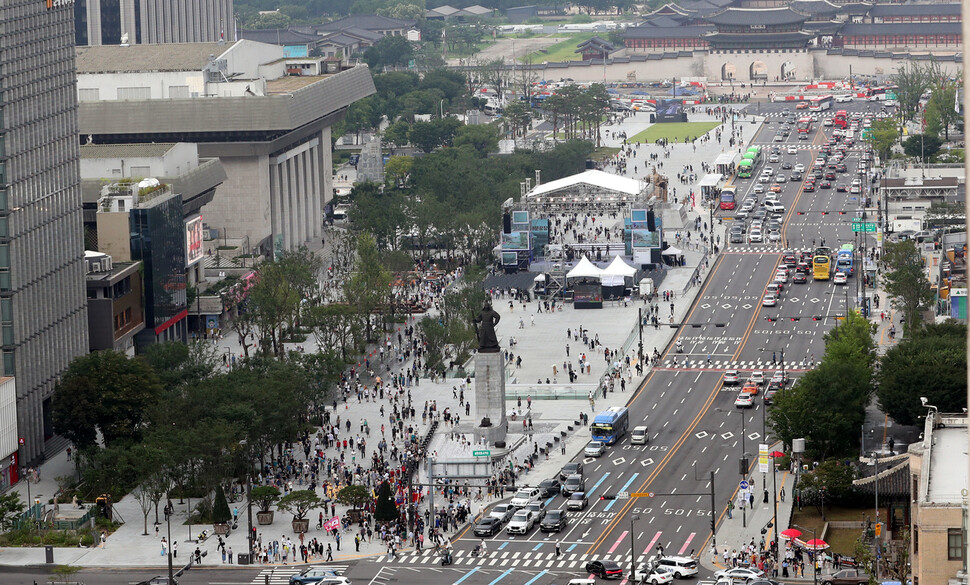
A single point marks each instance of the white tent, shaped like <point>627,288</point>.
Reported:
<point>539,278</point>
<point>672,251</point>
<point>584,269</point>
<point>614,274</point>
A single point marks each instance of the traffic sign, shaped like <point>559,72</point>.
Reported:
<point>744,484</point>
<point>642,494</point>
<point>863,226</point>
<point>623,495</point>
<point>481,453</point>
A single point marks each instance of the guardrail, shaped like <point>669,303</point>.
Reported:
<point>548,391</point>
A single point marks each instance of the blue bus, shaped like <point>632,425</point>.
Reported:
<point>844,260</point>
<point>611,424</point>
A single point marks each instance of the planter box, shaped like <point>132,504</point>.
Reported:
<point>264,518</point>
<point>221,528</point>
<point>301,526</point>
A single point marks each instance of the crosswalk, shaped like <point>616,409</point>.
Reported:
<point>281,575</point>
<point>769,248</point>
<point>699,361</point>
<point>511,559</point>
<point>798,115</point>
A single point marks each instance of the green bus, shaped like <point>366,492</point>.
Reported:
<point>745,168</point>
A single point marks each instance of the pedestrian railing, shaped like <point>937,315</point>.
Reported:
<point>548,391</point>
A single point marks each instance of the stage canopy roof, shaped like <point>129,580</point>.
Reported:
<point>584,269</point>
<point>614,274</point>
<point>588,187</point>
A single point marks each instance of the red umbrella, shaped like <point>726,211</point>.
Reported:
<point>777,454</point>
<point>816,544</point>
<point>791,533</point>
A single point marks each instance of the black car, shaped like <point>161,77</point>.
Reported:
<point>825,185</point>
<point>786,165</point>
<point>809,187</point>
<point>160,580</point>
<point>769,396</point>
<point>489,526</point>
<point>604,569</point>
<point>796,176</point>
<point>549,487</point>
<point>571,468</point>
<point>554,521</point>
<point>841,188</point>
<point>800,278</point>
<point>841,168</point>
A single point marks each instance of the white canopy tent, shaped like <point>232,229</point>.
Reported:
<point>585,269</point>
<point>617,271</point>
<point>672,251</point>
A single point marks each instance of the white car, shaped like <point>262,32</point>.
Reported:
<point>843,99</point>
<point>525,496</point>
<point>774,207</point>
<point>774,236</point>
<point>744,400</point>
<point>759,187</point>
<point>792,150</point>
<point>839,278</point>
<point>739,574</point>
<point>654,576</point>
<point>780,277</point>
<point>799,168</point>
<point>757,377</point>
<point>769,300</point>
<point>521,523</point>
<point>755,236</point>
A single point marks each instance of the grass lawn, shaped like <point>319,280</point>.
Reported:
<point>564,50</point>
<point>675,131</point>
<point>603,152</point>
<point>841,540</point>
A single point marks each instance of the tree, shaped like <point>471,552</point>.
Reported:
<point>905,281</point>
<point>299,503</point>
<point>220,509</point>
<point>884,135</point>
<point>493,74</point>
<point>276,299</point>
<point>178,363</point>
<point>391,51</point>
<point>11,507</point>
<point>931,364</point>
<point>397,134</point>
<point>385,509</point>
<point>912,79</point>
<point>355,496</point>
<point>104,392</point>
<point>517,116</point>
<point>922,146</point>
<point>482,137</point>
<point>940,111</point>
<point>264,496</point>
<point>271,20</point>
<point>369,287</point>
<point>397,171</point>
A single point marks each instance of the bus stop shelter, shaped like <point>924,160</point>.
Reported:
<point>726,163</point>
<point>710,186</point>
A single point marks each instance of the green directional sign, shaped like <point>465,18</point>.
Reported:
<point>863,226</point>
<point>481,453</point>
<point>890,95</point>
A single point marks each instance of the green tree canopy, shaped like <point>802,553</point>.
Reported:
<point>482,137</point>
<point>220,509</point>
<point>922,146</point>
<point>104,392</point>
<point>884,136</point>
<point>940,112</point>
<point>905,280</point>
<point>391,51</point>
<point>355,496</point>
<point>932,364</point>
<point>299,503</point>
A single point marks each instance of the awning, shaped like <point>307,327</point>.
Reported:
<point>672,251</point>
<point>711,180</point>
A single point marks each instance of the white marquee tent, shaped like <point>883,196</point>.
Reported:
<point>585,269</point>
<point>614,274</point>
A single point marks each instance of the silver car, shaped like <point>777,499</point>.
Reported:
<point>594,449</point>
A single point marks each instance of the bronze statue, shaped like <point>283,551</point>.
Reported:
<point>485,324</point>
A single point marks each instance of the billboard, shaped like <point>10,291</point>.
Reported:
<point>638,218</point>
<point>645,239</point>
<point>670,111</point>
<point>510,258</point>
<point>515,241</point>
<point>520,217</point>
<point>193,241</point>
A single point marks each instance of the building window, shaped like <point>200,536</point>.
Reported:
<point>954,544</point>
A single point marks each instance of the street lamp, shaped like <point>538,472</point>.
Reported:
<point>633,557</point>
<point>168,522</point>
<point>814,555</point>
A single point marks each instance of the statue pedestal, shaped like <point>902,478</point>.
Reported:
<point>490,399</point>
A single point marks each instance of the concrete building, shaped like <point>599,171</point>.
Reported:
<point>115,311</point>
<point>114,22</point>
<point>43,319</point>
<point>938,466</point>
<point>270,131</point>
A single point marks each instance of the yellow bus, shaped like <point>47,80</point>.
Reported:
<point>821,267</point>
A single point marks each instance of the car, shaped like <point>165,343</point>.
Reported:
<point>538,510</point>
<point>750,388</point>
<point>571,468</point>
<point>800,168</point>
<point>827,122</point>
<point>778,138</point>
<point>803,136</point>
<point>841,99</point>
<point>742,213</point>
<point>573,483</point>
<point>640,435</point>
<point>802,106</point>
<point>840,278</point>
<point>737,238</point>
<point>780,278</point>
<point>163,580</point>
<point>577,501</point>
<point>809,187</point>
<point>759,188</point>
<point>792,150</point>
<point>744,400</point>
<point>731,378</point>
<point>755,236</point>
<point>604,569</point>
<point>594,449</point>
<point>855,189</point>
<point>803,267</point>
<point>841,188</point>
<point>775,188</point>
<point>841,168</point>
<point>525,496</point>
<point>846,577</point>
<point>549,487</point>
<point>681,566</point>
<point>830,176</point>
<point>769,300</point>
<point>768,171</point>
<point>739,574</point>
<point>503,512</point>
<point>781,179</point>
<point>656,575</point>
<point>774,288</point>
<point>488,526</point>
<point>774,207</point>
<point>796,176</point>
<point>318,576</point>
<point>769,396</point>
<point>800,278</point>
<point>521,523</point>
<point>790,260</point>
<point>554,521</point>
<point>780,377</point>
<point>774,236</point>
<point>757,377</point>
<point>774,158</point>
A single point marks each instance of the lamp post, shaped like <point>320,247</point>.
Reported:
<point>168,522</point>
<point>633,555</point>
<point>814,560</point>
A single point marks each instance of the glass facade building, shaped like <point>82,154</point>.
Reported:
<point>43,319</point>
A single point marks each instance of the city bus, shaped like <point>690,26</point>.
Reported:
<point>844,260</point>
<point>879,93</point>
<point>745,168</point>
<point>822,263</point>
<point>819,103</point>
<point>610,425</point>
<point>804,125</point>
<point>728,196</point>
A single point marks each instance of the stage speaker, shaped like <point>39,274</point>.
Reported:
<point>655,256</point>
<point>506,223</point>
<point>590,164</point>
<point>651,221</point>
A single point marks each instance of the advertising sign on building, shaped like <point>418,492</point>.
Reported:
<point>193,240</point>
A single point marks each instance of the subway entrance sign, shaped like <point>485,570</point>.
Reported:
<point>481,453</point>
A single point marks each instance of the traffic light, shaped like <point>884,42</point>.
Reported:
<point>816,318</point>
<point>713,524</point>
<point>878,528</point>
<point>772,319</point>
<point>825,213</point>
<point>607,497</point>
<point>795,318</point>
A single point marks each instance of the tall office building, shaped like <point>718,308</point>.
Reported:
<point>43,317</point>
<point>104,22</point>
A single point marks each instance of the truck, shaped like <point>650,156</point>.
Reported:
<point>846,577</point>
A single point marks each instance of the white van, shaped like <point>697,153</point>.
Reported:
<point>640,435</point>
<point>680,566</point>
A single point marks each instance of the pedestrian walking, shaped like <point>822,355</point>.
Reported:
<point>730,509</point>
<point>558,550</point>
<point>329,553</point>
